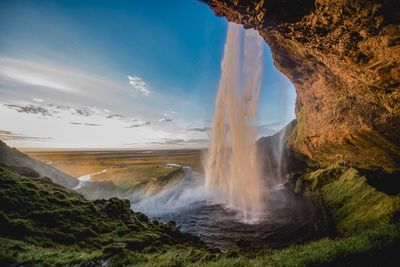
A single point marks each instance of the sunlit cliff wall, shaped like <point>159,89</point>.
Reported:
<point>343,57</point>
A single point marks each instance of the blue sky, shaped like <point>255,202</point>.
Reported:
<point>118,74</point>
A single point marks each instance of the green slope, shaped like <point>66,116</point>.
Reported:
<point>44,224</point>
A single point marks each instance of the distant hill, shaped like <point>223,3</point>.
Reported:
<point>15,159</point>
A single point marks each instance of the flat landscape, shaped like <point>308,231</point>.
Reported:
<point>125,168</point>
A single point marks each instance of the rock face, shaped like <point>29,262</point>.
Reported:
<point>343,57</point>
<point>279,161</point>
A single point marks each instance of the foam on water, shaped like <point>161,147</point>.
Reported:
<point>195,210</point>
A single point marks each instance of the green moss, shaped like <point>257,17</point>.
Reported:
<point>353,203</point>
<point>366,249</point>
<point>42,224</point>
<point>23,253</point>
<point>318,178</point>
<point>39,215</point>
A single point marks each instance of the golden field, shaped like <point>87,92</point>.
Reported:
<point>124,168</point>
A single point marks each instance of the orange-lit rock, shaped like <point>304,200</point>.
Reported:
<point>343,57</point>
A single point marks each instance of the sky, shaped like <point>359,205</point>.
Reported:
<point>118,74</point>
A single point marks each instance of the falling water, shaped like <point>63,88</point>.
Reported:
<point>232,168</point>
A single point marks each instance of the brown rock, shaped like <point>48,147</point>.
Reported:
<point>343,57</point>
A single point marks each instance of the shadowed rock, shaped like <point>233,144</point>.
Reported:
<point>279,161</point>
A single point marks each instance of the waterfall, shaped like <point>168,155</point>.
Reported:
<point>232,168</point>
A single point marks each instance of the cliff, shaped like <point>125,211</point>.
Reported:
<point>343,57</point>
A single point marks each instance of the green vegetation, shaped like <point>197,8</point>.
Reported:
<point>151,176</point>
<point>127,170</point>
<point>47,224</point>
<point>44,224</point>
<point>124,168</point>
<point>354,205</point>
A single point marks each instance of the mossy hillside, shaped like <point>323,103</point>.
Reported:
<point>43,216</point>
<point>353,204</point>
<point>14,252</point>
<point>134,240</point>
<point>371,248</point>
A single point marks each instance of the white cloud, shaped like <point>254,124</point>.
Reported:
<point>37,74</point>
<point>86,127</point>
<point>62,101</point>
<point>165,119</point>
<point>139,124</point>
<point>167,116</point>
<point>139,84</point>
<point>39,100</point>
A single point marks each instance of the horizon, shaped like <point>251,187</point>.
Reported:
<point>117,75</point>
<point>104,149</point>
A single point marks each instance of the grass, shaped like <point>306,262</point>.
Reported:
<point>78,163</point>
<point>142,174</point>
<point>41,216</point>
<point>43,224</point>
<point>354,204</point>
<point>125,169</point>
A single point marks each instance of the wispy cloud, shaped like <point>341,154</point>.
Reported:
<point>167,116</point>
<point>180,141</point>
<point>115,116</point>
<point>31,109</point>
<point>39,100</point>
<point>52,79</point>
<point>85,123</point>
<point>49,109</point>
<point>166,120</point>
<point>39,75</point>
<point>82,112</point>
<point>139,84</point>
<point>204,129</point>
<point>8,135</point>
<point>141,124</point>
